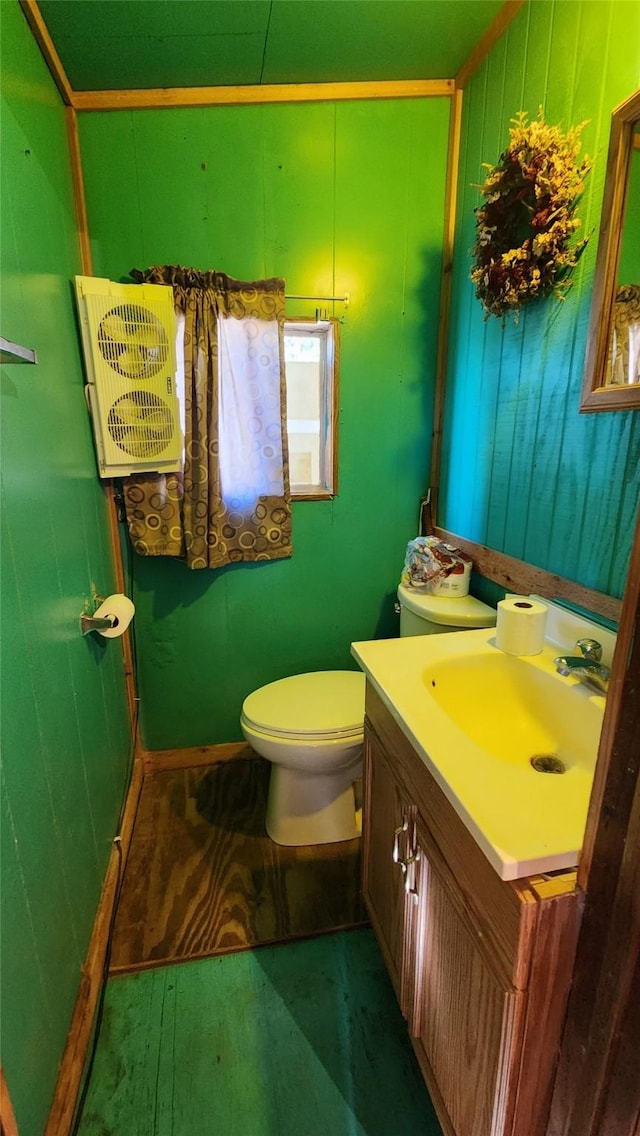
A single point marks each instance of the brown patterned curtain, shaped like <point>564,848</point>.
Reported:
<point>232,501</point>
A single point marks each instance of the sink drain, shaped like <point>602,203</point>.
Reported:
<point>547,763</point>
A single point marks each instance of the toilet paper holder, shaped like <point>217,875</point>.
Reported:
<point>110,617</point>
<point>91,622</point>
<point>96,622</point>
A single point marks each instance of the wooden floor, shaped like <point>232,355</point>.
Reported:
<point>203,878</point>
<point>302,1039</point>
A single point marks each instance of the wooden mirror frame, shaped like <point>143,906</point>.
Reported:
<point>596,396</point>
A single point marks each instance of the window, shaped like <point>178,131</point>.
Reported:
<point>311,365</point>
<point>311,372</point>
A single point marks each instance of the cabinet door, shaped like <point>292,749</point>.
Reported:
<point>388,824</point>
<point>465,1016</point>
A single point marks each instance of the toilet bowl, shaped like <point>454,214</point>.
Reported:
<point>311,726</point>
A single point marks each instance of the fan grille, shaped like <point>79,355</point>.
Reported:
<point>133,341</point>
<point>141,424</point>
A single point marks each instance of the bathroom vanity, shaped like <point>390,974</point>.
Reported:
<point>481,965</point>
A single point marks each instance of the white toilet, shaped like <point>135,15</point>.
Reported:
<point>310,727</point>
<point>424,614</point>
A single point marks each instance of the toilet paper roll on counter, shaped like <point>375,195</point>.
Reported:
<point>520,625</point>
<point>121,608</point>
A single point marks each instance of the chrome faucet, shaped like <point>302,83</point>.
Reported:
<point>586,666</point>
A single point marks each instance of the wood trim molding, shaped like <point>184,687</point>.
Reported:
<point>498,25</point>
<point>8,1126</point>
<point>74,1057</point>
<point>163,760</point>
<point>597,1071</point>
<point>518,576</point>
<point>504,17</point>
<point>596,395</point>
<point>47,47</point>
<point>628,642</point>
<point>451,199</point>
<point>79,198</point>
<point>552,958</point>
<point>171,97</point>
<point>86,260</point>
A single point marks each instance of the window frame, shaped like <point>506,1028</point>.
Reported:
<point>303,326</point>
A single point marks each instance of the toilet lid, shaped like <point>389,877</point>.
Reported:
<point>323,704</point>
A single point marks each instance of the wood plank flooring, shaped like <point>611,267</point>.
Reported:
<point>301,1039</point>
<point>203,878</point>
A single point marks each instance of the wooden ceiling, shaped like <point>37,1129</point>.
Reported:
<point>135,44</point>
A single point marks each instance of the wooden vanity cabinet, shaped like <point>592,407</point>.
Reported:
<point>481,967</point>
<point>389,817</point>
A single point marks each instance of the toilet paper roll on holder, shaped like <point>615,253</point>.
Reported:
<point>110,617</point>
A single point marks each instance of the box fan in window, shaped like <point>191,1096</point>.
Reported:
<point>128,338</point>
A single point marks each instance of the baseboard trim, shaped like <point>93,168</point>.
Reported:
<point>8,1126</point>
<point>74,1057</point>
<point>163,760</point>
<point>520,576</point>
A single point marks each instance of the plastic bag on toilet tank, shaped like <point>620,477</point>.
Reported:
<point>432,566</point>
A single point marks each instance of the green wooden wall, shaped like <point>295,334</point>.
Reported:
<point>65,726</point>
<point>334,197</point>
<point>523,471</point>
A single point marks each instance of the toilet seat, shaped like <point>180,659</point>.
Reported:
<point>319,706</point>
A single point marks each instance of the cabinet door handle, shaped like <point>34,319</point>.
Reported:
<point>397,859</point>
<point>410,877</point>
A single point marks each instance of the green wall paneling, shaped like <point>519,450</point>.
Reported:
<point>36,1044</point>
<point>191,43</point>
<point>522,470</point>
<point>345,197</point>
<point>194,41</point>
<point>65,725</point>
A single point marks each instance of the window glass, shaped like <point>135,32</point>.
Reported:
<point>310,351</point>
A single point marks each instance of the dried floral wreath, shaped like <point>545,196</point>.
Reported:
<point>525,226</point>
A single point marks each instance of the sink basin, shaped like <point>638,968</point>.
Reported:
<point>516,711</point>
<point>477,717</point>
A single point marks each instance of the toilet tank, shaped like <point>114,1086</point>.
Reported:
<point>424,614</point>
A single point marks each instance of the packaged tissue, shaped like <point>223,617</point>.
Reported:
<point>432,566</point>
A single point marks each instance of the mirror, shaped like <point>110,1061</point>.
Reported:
<point>612,368</point>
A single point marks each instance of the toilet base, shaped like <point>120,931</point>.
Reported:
<point>307,808</point>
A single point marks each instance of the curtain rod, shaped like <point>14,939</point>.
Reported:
<point>340,299</point>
